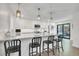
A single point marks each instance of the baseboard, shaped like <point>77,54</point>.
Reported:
<point>75,45</point>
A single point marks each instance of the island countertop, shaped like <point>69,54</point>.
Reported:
<point>25,35</point>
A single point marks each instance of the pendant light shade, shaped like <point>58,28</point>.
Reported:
<point>18,12</point>
<point>38,17</point>
<point>51,12</point>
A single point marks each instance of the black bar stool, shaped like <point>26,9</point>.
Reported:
<point>36,42</point>
<point>49,41</point>
<point>12,46</point>
<point>59,40</point>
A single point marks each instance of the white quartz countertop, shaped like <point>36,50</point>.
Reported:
<point>25,35</point>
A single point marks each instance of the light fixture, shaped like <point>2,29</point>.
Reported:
<point>51,18</point>
<point>18,12</point>
<point>38,16</point>
<point>49,21</point>
<point>51,13</point>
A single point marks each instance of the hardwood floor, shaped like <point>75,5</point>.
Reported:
<point>68,50</point>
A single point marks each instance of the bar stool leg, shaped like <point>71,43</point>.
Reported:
<point>5,53</point>
<point>62,46</point>
<point>8,54</point>
<point>32,51</point>
<point>36,50</point>
<point>29,50</point>
<point>40,51</point>
<point>53,48</point>
<point>43,46</point>
<point>48,49</point>
<point>58,47</point>
<point>19,52</point>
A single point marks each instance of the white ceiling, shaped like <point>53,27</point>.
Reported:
<point>29,10</point>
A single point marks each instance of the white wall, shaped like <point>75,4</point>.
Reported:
<point>4,18</point>
<point>4,22</point>
<point>75,30</point>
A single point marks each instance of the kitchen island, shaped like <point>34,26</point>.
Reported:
<point>25,40</point>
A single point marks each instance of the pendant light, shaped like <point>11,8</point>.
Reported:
<point>51,18</point>
<point>38,16</point>
<point>51,14</point>
<point>18,12</point>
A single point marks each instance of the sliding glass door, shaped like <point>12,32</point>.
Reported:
<point>64,29</point>
<point>60,29</point>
